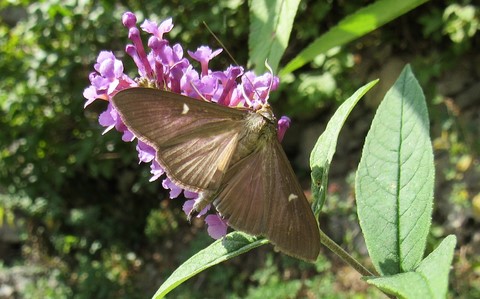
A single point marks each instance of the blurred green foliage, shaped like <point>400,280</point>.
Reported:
<point>89,211</point>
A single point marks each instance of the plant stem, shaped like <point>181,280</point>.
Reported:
<point>347,258</point>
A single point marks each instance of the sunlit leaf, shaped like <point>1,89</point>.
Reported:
<point>358,24</point>
<point>219,251</point>
<point>324,149</point>
<point>394,184</point>
<point>430,279</point>
<point>271,22</point>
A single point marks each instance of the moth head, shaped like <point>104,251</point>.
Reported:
<point>266,111</point>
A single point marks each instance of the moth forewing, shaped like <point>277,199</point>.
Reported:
<point>194,140</point>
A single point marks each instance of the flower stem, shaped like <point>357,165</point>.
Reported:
<point>347,258</point>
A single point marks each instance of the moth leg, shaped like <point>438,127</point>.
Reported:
<point>204,199</point>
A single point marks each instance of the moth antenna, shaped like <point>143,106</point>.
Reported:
<point>220,42</point>
<point>269,68</point>
<point>271,81</point>
<point>246,97</point>
<point>234,61</point>
<point>255,90</point>
<point>198,92</point>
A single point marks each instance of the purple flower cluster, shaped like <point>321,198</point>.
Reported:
<point>166,68</point>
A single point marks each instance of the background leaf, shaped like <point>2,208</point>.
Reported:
<point>430,279</point>
<point>394,182</point>
<point>352,27</point>
<point>271,22</point>
<point>219,251</point>
<point>324,149</point>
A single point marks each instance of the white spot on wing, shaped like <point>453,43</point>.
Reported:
<point>292,197</point>
<point>185,108</point>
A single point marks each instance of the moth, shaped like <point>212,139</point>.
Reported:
<point>232,158</point>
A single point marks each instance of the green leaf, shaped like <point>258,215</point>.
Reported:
<point>271,22</point>
<point>352,27</point>
<point>219,251</point>
<point>394,183</point>
<point>324,149</point>
<point>436,266</point>
<point>403,285</point>
<point>430,279</point>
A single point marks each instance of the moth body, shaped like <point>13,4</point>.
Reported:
<point>232,158</point>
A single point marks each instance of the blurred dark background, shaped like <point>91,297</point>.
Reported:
<point>78,216</point>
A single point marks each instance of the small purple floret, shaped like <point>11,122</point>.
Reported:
<point>156,170</point>
<point>282,126</point>
<point>157,31</point>
<point>217,227</point>
<point>146,153</point>
<point>129,19</point>
<point>203,55</point>
<point>175,191</point>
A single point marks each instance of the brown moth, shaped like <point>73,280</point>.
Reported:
<point>231,157</point>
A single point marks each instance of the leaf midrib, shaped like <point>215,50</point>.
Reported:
<point>399,176</point>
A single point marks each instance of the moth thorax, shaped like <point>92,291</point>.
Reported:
<point>258,130</point>
<point>252,136</point>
